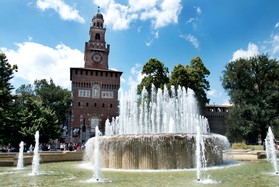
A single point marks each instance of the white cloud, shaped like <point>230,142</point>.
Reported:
<point>65,11</point>
<point>190,38</point>
<point>160,12</point>
<point>36,61</point>
<point>138,5</point>
<point>212,93</point>
<point>252,50</point>
<point>198,10</point>
<point>275,44</point>
<point>135,76</point>
<point>276,25</point>
<point>155,35</point>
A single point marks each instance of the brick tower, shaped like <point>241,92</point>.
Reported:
<point>94,86</point>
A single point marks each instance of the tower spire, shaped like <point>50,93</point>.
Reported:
<point>98,9</point>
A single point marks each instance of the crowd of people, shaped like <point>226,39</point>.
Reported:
<point>63,146</point>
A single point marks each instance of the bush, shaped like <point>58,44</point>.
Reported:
<point>239,146</point>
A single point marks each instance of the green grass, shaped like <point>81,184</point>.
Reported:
<point>256,174</point>
<point>244,146</point>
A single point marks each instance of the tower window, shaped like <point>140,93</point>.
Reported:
<point>95,104</point>
<point>97,36</point>
<point>78,103</point>
<point>103,105</point>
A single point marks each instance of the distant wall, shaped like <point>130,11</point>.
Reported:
<point>11,159</point>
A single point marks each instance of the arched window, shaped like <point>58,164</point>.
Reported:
<point>97,36</point>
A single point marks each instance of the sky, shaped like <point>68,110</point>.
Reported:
<point>47,37</point>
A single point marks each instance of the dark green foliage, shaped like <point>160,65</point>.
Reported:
<point>33,116</point>
<point>253,86</point>
<point>192,76</point>
<point>155,73</point>
<point>43,108</point>
<point>197,74</point>
<point>179,76</point>
<point>6,98</point>
<point>55,97</point>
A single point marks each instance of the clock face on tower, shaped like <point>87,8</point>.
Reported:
<point>97,58</point>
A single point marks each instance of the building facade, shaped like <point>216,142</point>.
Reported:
<point>216,115</point>
<point>94,87</point>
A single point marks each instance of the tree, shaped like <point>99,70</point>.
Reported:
<point>43,107</point>
<point>253,87</point>
<point>6,98</point>
<point>192,76</point>
<point>55,97</point>
<point>155,73</point>
<point>179,76</point>
<point>197,74</point>
<point>33,116</point>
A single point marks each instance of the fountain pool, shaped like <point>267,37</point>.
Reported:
<point>69,174</point>
<point>158,133</point>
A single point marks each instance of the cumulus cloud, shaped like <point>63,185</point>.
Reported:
<point>160,12</point>
<point>65,11</point>
<point>135,75</point>
<point>190,38</point>
<point>252,50</point>
<point>36,61</point>
<point>276,25</point>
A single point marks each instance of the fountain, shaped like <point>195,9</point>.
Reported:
<point>36,156</point>
<point>20,162</point>
<point>271,150</point>
<point>158,133</point>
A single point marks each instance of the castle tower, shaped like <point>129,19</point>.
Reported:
<point>94,86</point>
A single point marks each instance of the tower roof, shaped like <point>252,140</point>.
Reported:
<point>98,15</point>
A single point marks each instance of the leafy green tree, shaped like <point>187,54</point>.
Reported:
<point>155,73</point>
<point>6,98</point>
<point>55,97</point>
<point>43,107</point>
<point>253,87</point>
<point>192,76</point>
<point>33,116</point>
<point>197,74</point>
<point>179,76</point>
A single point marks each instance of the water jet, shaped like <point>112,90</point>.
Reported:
<point>159,132</point>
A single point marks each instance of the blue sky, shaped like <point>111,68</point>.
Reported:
<point>46,37</point>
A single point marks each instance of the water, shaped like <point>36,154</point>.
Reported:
<point>159,131</point>
<point>164,111</point>
<point>97,163</point>
<point>71,174</point>
<point>36,156</point>
<point>20,162</point>
<point>97,166</point>
<point>271,150</point>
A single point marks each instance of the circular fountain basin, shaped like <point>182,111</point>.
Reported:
<point>156,151</point>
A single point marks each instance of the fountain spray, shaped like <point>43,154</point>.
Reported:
<point>36,156</point>
<point>271,150</point>
<point>97,163</point>
<point>20,161</point>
